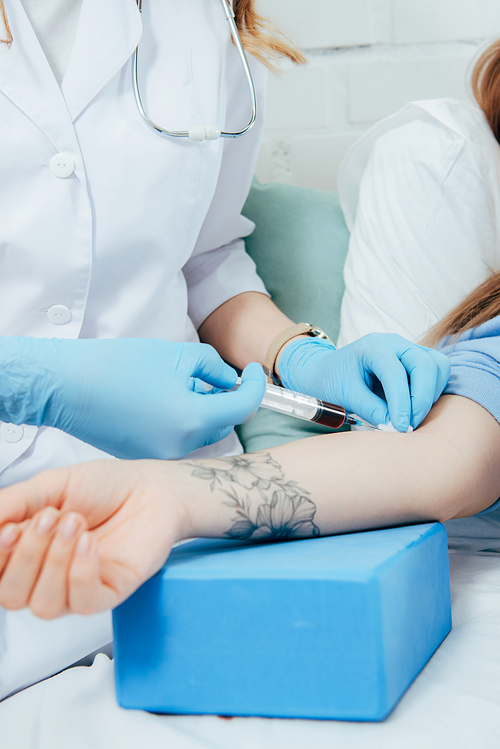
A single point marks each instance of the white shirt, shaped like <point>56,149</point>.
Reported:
<point>421,196</point>
<point>54,23</point>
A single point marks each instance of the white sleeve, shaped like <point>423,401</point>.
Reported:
<point>424,233</point>
<point>219,267</point>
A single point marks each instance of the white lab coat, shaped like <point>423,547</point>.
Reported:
<point>141,239</point>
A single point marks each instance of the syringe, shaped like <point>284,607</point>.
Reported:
<point>307,407</point>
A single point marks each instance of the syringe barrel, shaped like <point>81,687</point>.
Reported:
<point>290,403</point>
<point>304,407</point>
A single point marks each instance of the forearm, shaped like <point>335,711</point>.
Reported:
<point>242,328</point>
<point>135,510</point>
<point>348,482</point>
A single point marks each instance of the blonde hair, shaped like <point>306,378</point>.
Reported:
<point>486,85</point>
<point>257,35</point>
<point>481,305</point>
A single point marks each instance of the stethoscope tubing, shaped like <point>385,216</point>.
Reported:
<point>214,132</point>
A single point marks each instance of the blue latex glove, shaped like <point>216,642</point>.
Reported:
<point>133,398</point>
<point>381,377</point>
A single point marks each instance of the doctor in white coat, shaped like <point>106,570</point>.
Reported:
<point>109,230</point>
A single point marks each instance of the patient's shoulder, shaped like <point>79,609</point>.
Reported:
<point>426,140</point>
<point>459,118</point>
<point>437,133</point>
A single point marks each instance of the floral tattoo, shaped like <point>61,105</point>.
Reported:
<point>284,509</point>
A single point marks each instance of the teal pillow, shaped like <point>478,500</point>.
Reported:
<point>299,245</point>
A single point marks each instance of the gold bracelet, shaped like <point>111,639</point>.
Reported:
<point>302,328</point>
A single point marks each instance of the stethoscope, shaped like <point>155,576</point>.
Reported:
<point>200,132</point>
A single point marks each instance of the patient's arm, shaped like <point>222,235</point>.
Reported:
<point>135,511</point>
<point>447,468</point>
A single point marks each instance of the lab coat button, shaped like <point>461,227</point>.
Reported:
<point>11,432</point>
<point>58,314</point>
<point>62,165</point>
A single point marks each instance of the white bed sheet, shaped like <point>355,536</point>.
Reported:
<point>453,703</point>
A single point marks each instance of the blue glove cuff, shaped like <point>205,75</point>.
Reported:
<point>293,360</point>
<point>25,385</point>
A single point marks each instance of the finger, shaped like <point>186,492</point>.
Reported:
<point>87,594</point>
<point>428,375</point>
<point>443,368</point>
<point>24,564</point>
<point>21,501</point>
<point>422,372</point>
<point>49,598</point>
<point>208,366</point>
<point>394,379</point>
<point>198,386</point>
<point>9,535</point>
<point>443,365</point>
<point>240,405</point>
<point>370,406</point>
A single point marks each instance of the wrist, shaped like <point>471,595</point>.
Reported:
<point>162,483</point>
<point>299,363</point>
<point>191,507</point>
<point>203,507</point>
<point>302,336</point>
<point>277,345</point>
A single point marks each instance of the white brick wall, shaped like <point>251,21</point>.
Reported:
<point>367,58</point>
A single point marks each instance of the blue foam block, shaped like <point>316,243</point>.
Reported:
<point>334,627</point>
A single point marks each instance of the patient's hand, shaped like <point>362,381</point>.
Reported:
<point>82,539</point>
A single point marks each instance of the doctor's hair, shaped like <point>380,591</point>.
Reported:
<point>258,36</point>
<point>486,85</point>
<point>8,40</point>
<point>481,305</point>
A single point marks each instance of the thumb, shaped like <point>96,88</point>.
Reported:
<point>204,362</point>
<point>370,407</point>
<point>239,405</point>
